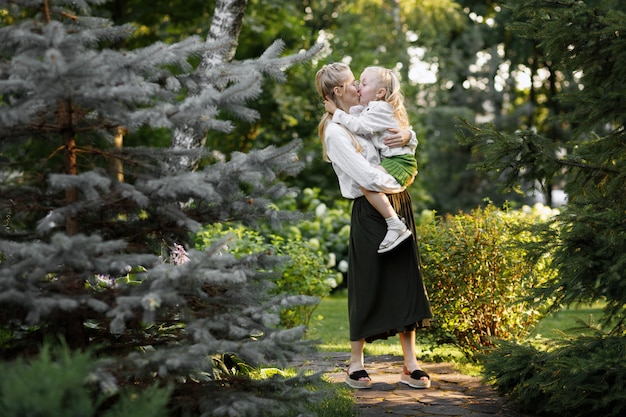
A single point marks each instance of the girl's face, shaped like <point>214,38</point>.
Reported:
<point>368,88</point>
<point>347,94</point>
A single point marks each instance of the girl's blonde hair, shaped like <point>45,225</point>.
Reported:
<point>387,79</point>
<point>326,79</point>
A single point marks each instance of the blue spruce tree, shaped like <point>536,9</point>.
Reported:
<point>96,239</point>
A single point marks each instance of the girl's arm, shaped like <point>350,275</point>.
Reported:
<point>377,117</point>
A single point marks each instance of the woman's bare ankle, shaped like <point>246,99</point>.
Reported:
<point>355,366</point>
<point>412,366</point>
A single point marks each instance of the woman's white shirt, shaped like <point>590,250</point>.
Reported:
<point>353,169</point>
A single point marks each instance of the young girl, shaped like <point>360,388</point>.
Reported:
<point>382,107</point>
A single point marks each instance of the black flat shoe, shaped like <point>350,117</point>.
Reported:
<point>414,379</point>
<point>354,379</point>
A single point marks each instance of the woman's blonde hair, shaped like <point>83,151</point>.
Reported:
<point>326,79</point>
<point>387,79</point>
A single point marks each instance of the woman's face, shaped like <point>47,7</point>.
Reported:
<point>348,94</point>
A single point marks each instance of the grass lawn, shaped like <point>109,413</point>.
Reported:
<point>329,325</point>
<point>569,322</point>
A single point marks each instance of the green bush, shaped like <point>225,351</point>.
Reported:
<point>479,281</point>
<point>326,227</point>
<point>304,273</point>
<point>59,383</point>
<point>583,377</point>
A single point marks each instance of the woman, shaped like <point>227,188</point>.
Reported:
<point>386,295</point>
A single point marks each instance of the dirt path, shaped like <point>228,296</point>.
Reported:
<point>451,393</point>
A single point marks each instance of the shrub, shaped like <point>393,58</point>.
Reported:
<point>57,384</point>
<point>304,274</point>
<point>584,377</point>
<point>479,282</point>
<point>327,227</point>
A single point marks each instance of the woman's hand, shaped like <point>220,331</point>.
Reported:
<point>330,105</point>
<point>398,138</point>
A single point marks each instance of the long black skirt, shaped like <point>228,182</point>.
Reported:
<point>386,293</point>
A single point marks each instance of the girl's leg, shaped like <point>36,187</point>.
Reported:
<point>412,375</point>
<point>380,202</point>
<point>397,231</point>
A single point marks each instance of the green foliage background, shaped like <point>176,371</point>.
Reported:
<point>582,146</point>
<point>304,272</point>
<point>581,377</point>
<point>60,383</point>
<point>564,129</point>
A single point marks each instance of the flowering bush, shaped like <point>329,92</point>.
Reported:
<point>326,229</point>
<point>305,274</point>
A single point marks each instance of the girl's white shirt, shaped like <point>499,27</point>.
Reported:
<point>355,169</point>
<point>372,121</point>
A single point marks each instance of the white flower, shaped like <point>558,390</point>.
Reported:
<point>332,260</point>
<point>320,210</point>
<point>106,280</point>
<point>315,243</point>
<point>343,266</point>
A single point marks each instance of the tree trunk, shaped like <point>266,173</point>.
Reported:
<point>226,24</point>
<point>69,324</point>
<point>65,117</point>
<point>117,167</point>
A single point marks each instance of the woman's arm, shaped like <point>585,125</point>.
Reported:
<point>344,156</point>
<point>399,138</point>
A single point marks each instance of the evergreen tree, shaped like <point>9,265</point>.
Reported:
<point>96,239</point>
<point>587,239</point>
